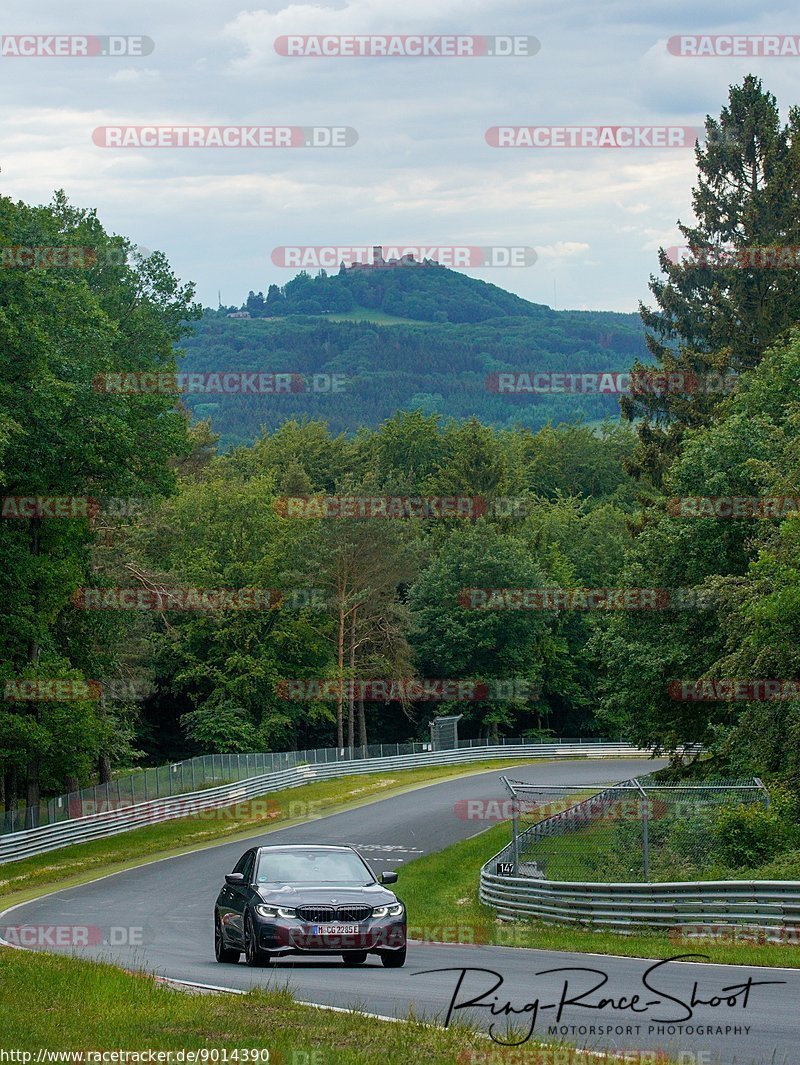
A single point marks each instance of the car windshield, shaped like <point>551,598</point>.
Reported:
<point>312,867</point>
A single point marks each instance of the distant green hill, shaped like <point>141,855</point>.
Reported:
<point>393,356</point>
<point>420,293</point>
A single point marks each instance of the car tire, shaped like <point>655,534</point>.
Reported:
<point>254,957</point>
<point>355,957</point>
<point>394,959</point>
<point>222,953</point>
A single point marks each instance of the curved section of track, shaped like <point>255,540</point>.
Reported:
<point>166,908</point>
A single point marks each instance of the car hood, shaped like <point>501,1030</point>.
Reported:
<point>302,895</point>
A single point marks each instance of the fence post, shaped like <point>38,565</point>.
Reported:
<point>514,825</point>
<point>764,789</point>
<point>645,831</point>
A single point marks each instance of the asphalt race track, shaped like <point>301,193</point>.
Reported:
<point>169,904</point>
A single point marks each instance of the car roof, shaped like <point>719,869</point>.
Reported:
<point>304,847</point>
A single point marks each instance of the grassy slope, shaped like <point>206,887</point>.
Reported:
<point>441,894</point>
<point>62,1003</point>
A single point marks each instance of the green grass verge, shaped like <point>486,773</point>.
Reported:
<point>441,894</point>
<point>62,1003</point>
<point>68,866</point>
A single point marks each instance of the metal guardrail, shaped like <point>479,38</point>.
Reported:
<point>209,770</point>
<point>17,845</point>
<point>769,905</point>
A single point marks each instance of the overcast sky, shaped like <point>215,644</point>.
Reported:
<point>421,172</point>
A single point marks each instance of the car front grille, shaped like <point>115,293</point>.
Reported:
<point>328,914</point>
<point>351,914</point>
<point>316,914</point>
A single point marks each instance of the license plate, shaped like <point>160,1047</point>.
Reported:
<point>334,929</point>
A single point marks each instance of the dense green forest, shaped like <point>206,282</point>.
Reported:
<point>202,504</point>
<point>430,367</point>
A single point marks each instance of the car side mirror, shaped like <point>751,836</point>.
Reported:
<point>234,878</point>
<point>387,878</point>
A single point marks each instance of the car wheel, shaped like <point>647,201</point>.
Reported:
<point>394,959</point>
<point>252,955</point>
<point>223,953</point>
<point>355,957</point>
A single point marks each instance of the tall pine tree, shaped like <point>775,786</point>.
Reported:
<point>717,313</point>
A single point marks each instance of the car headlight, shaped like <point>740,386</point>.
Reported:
<point>275,911</point>
<point>395,910</point>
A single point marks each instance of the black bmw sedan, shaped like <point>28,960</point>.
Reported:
<point>308,900</point>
